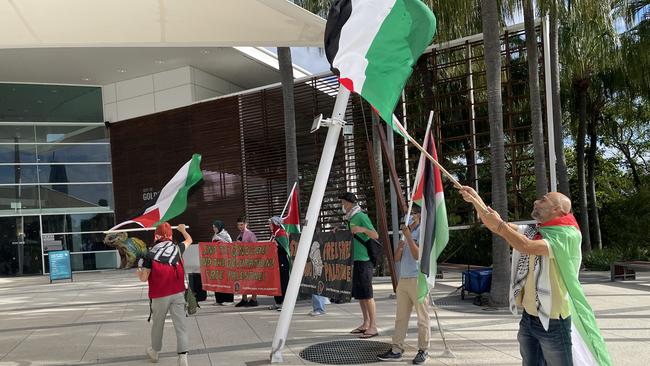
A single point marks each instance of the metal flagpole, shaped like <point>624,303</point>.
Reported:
<point>288,199</point>
<point>447,352</point>
<point>136,229</point>
<point>335,124</point>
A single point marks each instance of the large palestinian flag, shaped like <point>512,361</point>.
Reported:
<point>372,46</point>
<point>172,199</point>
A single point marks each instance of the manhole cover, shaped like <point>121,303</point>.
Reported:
<point>345,352</point>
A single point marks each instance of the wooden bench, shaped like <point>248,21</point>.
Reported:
<point>627,270</point>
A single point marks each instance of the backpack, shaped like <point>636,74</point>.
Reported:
<point>373,247</point>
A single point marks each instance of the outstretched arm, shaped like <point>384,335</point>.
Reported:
<point>495,224</point>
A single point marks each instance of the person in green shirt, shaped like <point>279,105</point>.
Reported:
<point>361,227</point>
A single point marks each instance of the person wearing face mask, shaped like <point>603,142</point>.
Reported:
<point>221,235</point>
<point>407,255</point>
<point>362,271</point>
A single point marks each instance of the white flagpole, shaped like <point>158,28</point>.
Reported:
<point>288,199</point>
<point>313,210</point>
<point>136,229</point>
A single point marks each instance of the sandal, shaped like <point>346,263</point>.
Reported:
<point>358,331</point>
<point>368,335</point>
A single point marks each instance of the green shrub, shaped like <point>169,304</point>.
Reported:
<point>600,259</point>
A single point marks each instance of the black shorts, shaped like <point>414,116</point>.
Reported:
<point>362,280</point>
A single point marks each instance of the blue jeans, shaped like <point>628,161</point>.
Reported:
<point>318,302</point>
<point>539,347</point>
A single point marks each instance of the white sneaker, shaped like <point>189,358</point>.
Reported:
<point>153,355</point>
<point>316,313</point>
<point>182,359</point>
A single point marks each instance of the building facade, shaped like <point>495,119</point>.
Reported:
<point>55,177</point>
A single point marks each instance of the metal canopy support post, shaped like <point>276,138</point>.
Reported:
<point>335,124</point>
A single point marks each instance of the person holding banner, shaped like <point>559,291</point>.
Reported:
<point>362,229</point>
<point>163,269</point>
<point>221,235</point>
<point>284,260</point>
<point>407,255</point>
<point>246,236</point>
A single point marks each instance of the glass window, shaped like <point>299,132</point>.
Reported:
<point>20,245</point>
<point>12,174</point>
<point>55,153</point>
<point>9,133</point>
<point>51,134</point>
<point>26,153</point>
<point>16,198</point>
<point>62,173</point>
<point>76,195</point>
<point>82,242</point>
<point>50,103</point>
<point>89,261</point>
<point>77,222</point>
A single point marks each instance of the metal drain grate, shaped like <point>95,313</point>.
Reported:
<point>345,352</point>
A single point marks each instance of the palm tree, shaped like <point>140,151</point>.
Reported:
<point>588,41</point>
<point>286,74</point>
<point>532,55</point>
<point>500,250</point>
<point>319,7</point>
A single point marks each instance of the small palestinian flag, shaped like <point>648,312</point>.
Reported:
<point>292,220</point>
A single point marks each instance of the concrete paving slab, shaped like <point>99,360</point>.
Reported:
<point>100,319</point>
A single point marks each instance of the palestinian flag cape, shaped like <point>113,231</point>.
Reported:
<point>564,238</point>
<point>372,46</point>
<point>172,199</point>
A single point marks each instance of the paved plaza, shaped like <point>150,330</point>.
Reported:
<point>101,319</point>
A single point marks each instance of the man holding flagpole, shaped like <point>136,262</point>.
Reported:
<point>407,255</point>
<point>558,326</point>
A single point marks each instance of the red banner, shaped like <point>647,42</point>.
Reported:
<point>240,268</point>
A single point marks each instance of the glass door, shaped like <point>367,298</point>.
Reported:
<point>20,246</point>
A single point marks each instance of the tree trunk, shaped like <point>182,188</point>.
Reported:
<point>286,74</point>
<point>632,164</point>
<point>591,166</point>
<point>500,250</point>
<point>560,160</point>
<point>541,181</point>
<point>580,162</point>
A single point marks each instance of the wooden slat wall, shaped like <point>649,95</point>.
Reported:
<point>242,143</point>
<point>147,151</point>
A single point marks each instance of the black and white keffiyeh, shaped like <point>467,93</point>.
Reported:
<point>165,252</point>
<point>519,275</point>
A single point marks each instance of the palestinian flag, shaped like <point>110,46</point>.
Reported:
<point>172,199</point>
<point>434,230</point>
<point>292,220</point>
<point>563,237</point>
<point>372,46</point>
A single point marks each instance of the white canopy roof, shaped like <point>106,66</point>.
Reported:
<point>157,23</point>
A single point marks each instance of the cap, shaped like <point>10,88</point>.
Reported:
<point>349,196</point>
